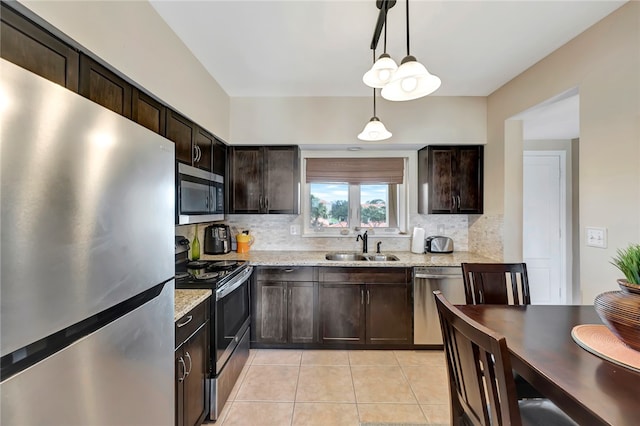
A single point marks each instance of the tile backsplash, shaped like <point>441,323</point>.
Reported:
<point>476,233</point>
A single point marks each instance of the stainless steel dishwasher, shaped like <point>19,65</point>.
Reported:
<point>447,279</point>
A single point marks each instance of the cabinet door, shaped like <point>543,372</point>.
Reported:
<point>181,372</point>
<point>342,313</point>
<point>204,148</point>
<point>246,194</point>
<point>454,178</point>
<point>29,46</point>
<point>281,179</point>
<point>148,112</point>
<point>441,180</point>
<point>271,312</point>
<point>195,355</point>
<point>180,131</point>
<point>219,158</point>
<point>389,314</point>
<point>469,179</point>
<point>104,87</point>
<point>301,308</point>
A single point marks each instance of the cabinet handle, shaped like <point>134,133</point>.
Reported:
<point>190,363</point>
<point>362,297</point>
<point>184,370</point>
<point>199,152</point>
<point>367,297</point>
<point>260,203</point>
<point>458,197</point>
<point>289,270</point>
<point>266,204</point>
<point>187,321</point>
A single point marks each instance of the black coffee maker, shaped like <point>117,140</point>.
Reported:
<point>217,239</point>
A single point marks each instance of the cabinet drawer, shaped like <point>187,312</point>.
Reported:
<point>365,275</point>
<point>286,273</point>
<point>189,323</point>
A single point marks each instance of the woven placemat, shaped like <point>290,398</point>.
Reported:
<point>600,341</point>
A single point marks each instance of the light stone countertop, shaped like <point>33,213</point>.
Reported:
<point>186,300</point>
<point>317,258</point>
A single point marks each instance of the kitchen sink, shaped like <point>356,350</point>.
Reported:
<point>345,257</point>
<point>355,257</point>
<point>381,257</point>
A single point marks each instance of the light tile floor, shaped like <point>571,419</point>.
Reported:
<point>334,388</point>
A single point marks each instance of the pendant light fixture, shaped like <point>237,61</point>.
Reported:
<point>411,80</point>
<point>382,70</point>
<point>374,129</point>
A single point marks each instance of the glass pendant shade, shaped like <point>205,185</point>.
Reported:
<point>410,81</point>
<point>381,72</point>
<point>374,131</point>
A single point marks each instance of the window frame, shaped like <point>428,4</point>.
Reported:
<point>354,204</point>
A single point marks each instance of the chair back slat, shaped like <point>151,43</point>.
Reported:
<point>481,385</point>
<point>496,283</point>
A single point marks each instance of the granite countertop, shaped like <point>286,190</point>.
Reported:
<point>186,300</point>
<point>317,258</point>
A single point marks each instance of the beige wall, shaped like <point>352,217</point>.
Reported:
<point>604,63</point>
<point>338,120</point>
<point>132,37</point>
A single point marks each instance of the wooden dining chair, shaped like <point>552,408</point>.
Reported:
<point>481,386</point>
<point>496,283</point>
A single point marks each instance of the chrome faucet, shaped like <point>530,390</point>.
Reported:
<point>364,238</point>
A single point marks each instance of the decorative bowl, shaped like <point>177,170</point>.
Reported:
<point>620,312</point>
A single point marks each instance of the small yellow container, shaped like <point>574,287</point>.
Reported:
<point>244,242</point>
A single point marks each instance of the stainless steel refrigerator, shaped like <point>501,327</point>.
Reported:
<point>87,242</point>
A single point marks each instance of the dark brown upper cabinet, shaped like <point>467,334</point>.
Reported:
<point>264,179</point>
<point>148,112</point>
<point>181,131</point>
<point>194,145</point>
<point>220,158</point>
<point>450,179</point>
<point>31,47</point>
<point>104,87</point>
<point>203,147</point>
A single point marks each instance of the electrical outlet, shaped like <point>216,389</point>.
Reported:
<point>596,237</point>
<point>294,229</point>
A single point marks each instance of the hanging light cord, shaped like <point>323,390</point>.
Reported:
<point>386,10</point>
<point>374,89</point>
<point>407,27</point>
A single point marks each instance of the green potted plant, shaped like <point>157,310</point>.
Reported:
<point>628,262</point>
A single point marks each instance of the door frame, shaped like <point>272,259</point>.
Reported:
<point>566,290</point>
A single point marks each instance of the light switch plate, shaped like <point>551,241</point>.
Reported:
<point>596,237</point>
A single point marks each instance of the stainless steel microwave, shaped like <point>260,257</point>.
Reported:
<point>199,195</point>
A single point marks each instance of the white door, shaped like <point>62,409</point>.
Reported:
<point>544,224</point>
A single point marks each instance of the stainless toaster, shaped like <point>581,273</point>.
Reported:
<point>437,244</point>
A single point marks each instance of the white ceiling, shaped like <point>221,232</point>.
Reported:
<point>321,47</point>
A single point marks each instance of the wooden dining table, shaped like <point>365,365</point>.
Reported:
<point>591,390</point>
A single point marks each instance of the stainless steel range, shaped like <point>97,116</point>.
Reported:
<point>230,313</point>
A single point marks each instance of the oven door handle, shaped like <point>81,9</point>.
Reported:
<point>234,284</point>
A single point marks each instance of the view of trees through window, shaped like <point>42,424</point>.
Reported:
<point>330,205</point>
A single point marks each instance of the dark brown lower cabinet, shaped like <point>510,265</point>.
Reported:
<point>342,313</point>
<point>191,367</point>
<point>284,308</point>
<point>366,306</point>
<point>389,314</point>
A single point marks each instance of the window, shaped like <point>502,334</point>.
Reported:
<point>344,195</point>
